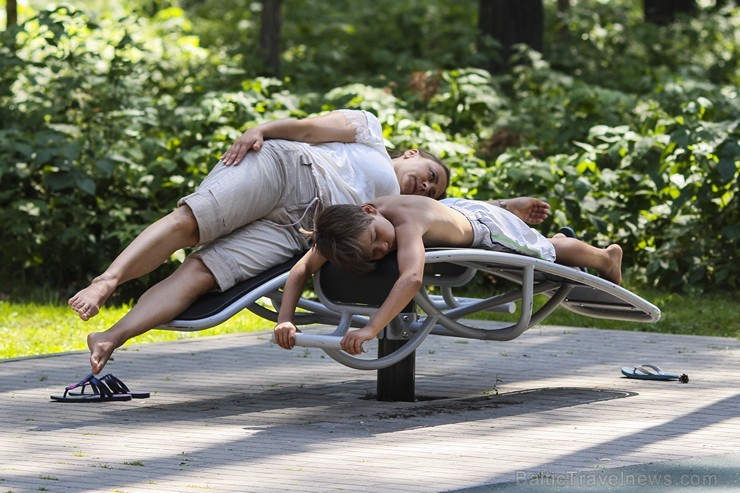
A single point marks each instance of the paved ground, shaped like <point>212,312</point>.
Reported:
<point>236,413</point>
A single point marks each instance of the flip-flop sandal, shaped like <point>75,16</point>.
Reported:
<point>652,372</point>
<point>568,231</point>
<point>116,386</point>
<point>101,392</point>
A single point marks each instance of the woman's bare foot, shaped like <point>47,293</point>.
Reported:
<point>87,302</point>
<point>101,349</point>
<point>614,272</point>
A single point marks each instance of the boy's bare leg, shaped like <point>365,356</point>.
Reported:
<point>574,252</point>
<point>160,304</point>
<point>148,251</point>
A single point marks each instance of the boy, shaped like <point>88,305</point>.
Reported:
<point>354,237</point>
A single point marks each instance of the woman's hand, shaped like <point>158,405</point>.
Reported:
<point>251,141</point>
<point>284,334</point>
<point>528,209</point>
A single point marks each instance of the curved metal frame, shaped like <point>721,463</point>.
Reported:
<point>443,316</point>
<point>443,313</point>
<point>315,312</point>
<point>496,263</point>
<point>347,312</point>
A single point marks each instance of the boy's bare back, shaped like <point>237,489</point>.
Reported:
<point>438,224</point>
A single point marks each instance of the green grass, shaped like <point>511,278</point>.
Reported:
<point>708,314</point>
<point>715,314</point>
<point>28,329</point>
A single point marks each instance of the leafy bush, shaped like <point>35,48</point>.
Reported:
<point>107,121</point>
<point>660,180</point>
<point>103,130</point>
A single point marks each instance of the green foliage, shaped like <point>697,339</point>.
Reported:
<point>105,126</point>
<point>71,176</point>
<point>608,44</point>
<point>330,44</point>
<point>629,131</point>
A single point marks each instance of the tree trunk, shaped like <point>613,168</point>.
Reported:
<point>561,27</point>
<point>665,11</point>
<point>12,13</point>
<point>510,22</point>
<point>270,35</point>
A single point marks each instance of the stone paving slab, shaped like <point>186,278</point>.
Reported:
<point>236,413</point>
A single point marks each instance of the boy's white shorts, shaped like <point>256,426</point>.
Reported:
<point>497,229</point>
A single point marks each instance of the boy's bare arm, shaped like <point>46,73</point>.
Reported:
<point>411,271</point>
<point>285,328</point>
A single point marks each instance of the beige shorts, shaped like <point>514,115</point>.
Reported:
<point>250,215</point>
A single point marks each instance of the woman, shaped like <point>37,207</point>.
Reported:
<point>248,214</point>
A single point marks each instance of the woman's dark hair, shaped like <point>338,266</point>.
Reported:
<point>426,155</point>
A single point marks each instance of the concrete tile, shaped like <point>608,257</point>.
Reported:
<point>235,413</point>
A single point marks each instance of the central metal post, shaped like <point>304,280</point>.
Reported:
<point>397,382</point>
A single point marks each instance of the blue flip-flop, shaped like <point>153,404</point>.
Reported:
<point>100,392</point>
<point>115,385</point>
<point>568,231</point>
<point>651,372</point>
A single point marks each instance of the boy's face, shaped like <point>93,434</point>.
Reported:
<point>380,235</point>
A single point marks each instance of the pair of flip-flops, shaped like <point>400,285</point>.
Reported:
<point>652,372</point>
<point>94,389</point>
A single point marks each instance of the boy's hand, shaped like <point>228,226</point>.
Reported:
<point>352,341</point>
<point>284,334</point>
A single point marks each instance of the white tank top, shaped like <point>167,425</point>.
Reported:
<point>356,172</point>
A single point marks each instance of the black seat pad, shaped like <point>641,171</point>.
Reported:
<point>369,289</point>
<point>212,303</point>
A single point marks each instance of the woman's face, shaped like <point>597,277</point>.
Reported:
<point>420,176</point>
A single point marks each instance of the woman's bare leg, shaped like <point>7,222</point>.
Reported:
<point>148,251</point>
<point>606,261</point>
<point>160,304</point>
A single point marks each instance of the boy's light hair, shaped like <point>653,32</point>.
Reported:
<point>337,237</point>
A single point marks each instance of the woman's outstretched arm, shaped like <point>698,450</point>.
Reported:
<point>332,127</point>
